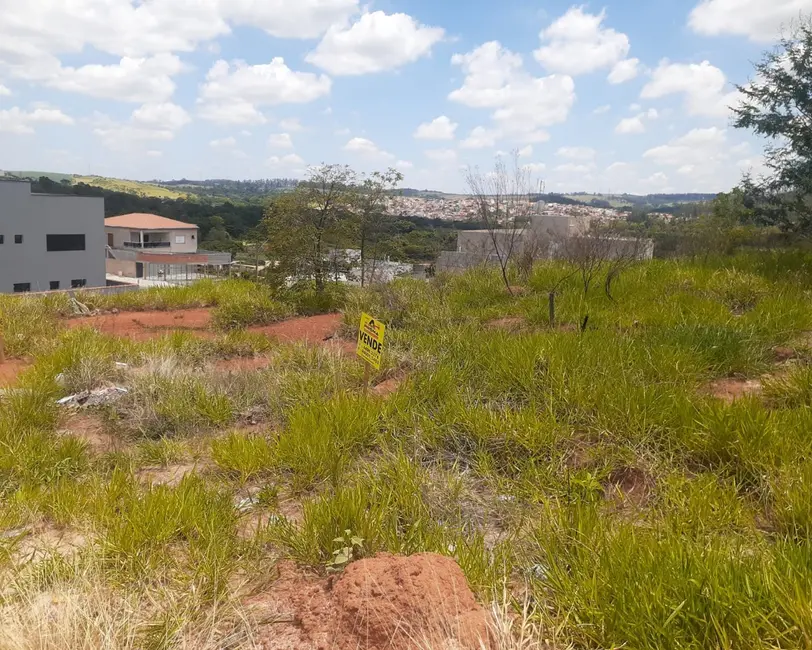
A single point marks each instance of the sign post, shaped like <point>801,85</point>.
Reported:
<point>370,345</point>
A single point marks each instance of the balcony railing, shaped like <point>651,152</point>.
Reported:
<point>147,244</point>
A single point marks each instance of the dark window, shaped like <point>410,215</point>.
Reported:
<point>54,285</point>
<point>193,236</point>
<point>18,239</point>
<point>78,284</point>
<point>2,239</point>
<point>55,243</point>
<point>22,287</point>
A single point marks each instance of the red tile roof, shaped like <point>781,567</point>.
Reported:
<point>143,221</point>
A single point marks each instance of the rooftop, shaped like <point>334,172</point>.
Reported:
<point>144,221</point>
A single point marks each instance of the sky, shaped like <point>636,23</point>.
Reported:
<point>609,97</point>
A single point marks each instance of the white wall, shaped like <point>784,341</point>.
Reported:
<point>36,215</point>
<point>190,235</point>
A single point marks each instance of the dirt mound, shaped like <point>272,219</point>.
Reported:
<point>731,389</point>
<point>310,329</point>
<point>10,369</point>
<point>90,428</point>
<point>509,324</point>
<point>381,603</point>
<point>143,325</point>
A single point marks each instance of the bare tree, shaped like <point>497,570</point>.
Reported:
<point>502,199</point>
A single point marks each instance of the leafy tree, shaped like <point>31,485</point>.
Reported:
<point>299,225</point>
<point>370,220</point>
<point>777,104</point>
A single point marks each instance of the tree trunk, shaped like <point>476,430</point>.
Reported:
<point>363,255</point>
<point>318,266</point>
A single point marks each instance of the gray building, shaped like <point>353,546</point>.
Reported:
<point>49,241</point>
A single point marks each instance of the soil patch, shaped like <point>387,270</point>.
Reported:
<point>38,543</point>
<point>240,364</point>
<point>387,386</point>
<point>10,370</point>
<point>144,325</point>
<point>631,484</point>
<point>170,475</point>
<point>509,324</point>
<point>731,389</point>
<point>782,354</point>
<point>311,329</point>
<point>381,603</point>
<point>91,429</point>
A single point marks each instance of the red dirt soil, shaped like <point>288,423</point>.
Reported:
<point>381,603</point>
<point>732,388</point>
<point>144,325</point>
<point>10,369</point>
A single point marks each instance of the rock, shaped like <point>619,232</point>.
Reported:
<point>95,397</point>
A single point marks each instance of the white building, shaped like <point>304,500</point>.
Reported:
<point>49,241</point>
<point>548,235</point>
<point>148,248</point>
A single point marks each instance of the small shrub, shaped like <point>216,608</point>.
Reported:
<point>244,455</point>
<point>250,308</point>
<point>739,290</point>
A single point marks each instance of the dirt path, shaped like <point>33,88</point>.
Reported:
<point>10,369</point>
<point>144,325</point>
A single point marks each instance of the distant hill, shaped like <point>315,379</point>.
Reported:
<point>225,188</point>
<point>638,200</point>
<point>55,177</point>
<point>132,187</point>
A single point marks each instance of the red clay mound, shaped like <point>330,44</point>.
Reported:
<point>10,369</point>
<point>381,603</point>
<point>143,325</point>
<point>311,329</point>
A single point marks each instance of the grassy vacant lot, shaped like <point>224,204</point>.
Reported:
<point>592,475</point>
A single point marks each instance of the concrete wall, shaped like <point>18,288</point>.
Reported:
<point>124,268</point>
<point>36,215</point>
<point>189,245</point>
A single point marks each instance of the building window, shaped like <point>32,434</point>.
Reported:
<point>193,236</point>
<point>22,287</point>
<point>54,285</point>
<point>18,239</point>
<point>180,239</point>
<point>78,284</point>
<point>2,239</point>
<point>55,243</point>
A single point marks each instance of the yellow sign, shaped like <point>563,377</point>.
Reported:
<point>370,340</point>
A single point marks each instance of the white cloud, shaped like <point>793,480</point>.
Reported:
<point>223,143</point>
<point>404,164</point>
<point>636,124</point>
<point>759,20</point>
<point>148,123</point>
<point>495,79</point>
<point>154,153</point>
<point>19,121</point>
<point>577,43</point>
<point>699,147</point>
<point>534,168</point>
<point>4,92</point>
<point>624,71</point>
<point>525,152</point>
<point>161,116</point>
<point>232,93</point>
<point>630,125</point>
<point>286,19</point>
<point>635,107</point>
<point>285,161</point>
<point>233,112</point>
<point>577,153</point>
<point>480,138</point>
<point>375,42</point>
<point>619,167</point>
<point>440,128</point>
<point>442,156</point>
<point>702,84</point>
<point>132,28</point>
<point>245,132</point>
<point>573,168</point>
<point>366,148</point>
<point>131,79</point>
<point>280,141</point>
<point>600,110</point>
<point>291,125</point>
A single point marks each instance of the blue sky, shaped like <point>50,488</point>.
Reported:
<point>621,95</point>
